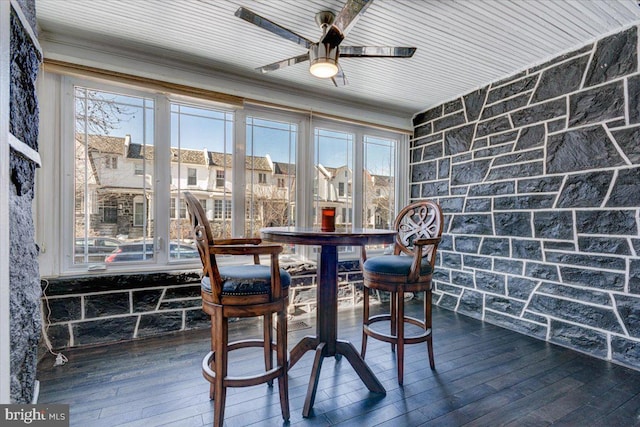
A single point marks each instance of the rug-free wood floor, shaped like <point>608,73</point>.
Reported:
<point>485,376</point>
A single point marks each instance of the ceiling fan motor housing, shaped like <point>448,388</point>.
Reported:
<point>325,55</point>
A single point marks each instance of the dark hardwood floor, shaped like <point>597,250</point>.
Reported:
<point>485,376</point>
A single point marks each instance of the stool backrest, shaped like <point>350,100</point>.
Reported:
<point>419,220</point>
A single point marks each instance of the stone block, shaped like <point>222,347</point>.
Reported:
<point>531,137</point>
<point>63,309</point>
<point>495,246</point>
<point>448,301</point>
<point>526,249</point>
<point>493,189</point>
<point>467,244</point>
<point>629,310</point>
<point>446,242</point>
<point>480,262</point>
<point>435,189</point>
<point>625,192</point>
<point>604,245</point>
<point>491,282</point>
<point>518,325</point>
<point>561,246</point>
<point>634,276</point>
<point>633,87</point>
<point>561,79</point>
<point>614,56</point>
<point>444,166</point>
<point>503,138</point>
<point>553,225</point>
<point>513,224</point>
<point>416,154</point>
<point>506,106</point>
<point>452,204</point>
<point>59,336</point>
<point>470,172</point>
<point>463,279</point>
<point>582,339</point>
<point>458,140</point>
<point>453,106</point>
<point>423,130</point>
<point>196,319</point>
<point>597,105</point>
<point>581,149</point>
<point>478,224</point>
<point>146,300</point>
<point>593,261</point>
<point>535,201</point>
<point>428,115</point>
<point>585,295</point>
<point>102,305</point>
<point>426,140</point>
<point>520,288</point>
<point>616,222</point>
<point>509,79</point>
<point>546,184</point>
<point>471,304</point>
<point>415,191</point>
<point>480,143</point>
<point>448,289</point>
<point>188,291</point>
<point>451,260</point>
<point>492,151</point>
<point>629,141</point>
<point>625,351</point>
<point>473,103</point>
<point>558,125</point>
<point>478,205</point>
<point>465,157</point>
<point>561,58</point>
<point>503,304</point>
<point>542,271</point>
<point>158,323</point>
<point>616,123</point>
<point>521,157</point>
<point>576,312</point>
<point>523,85</point>
<point>449,121</point>
<point>459,190</point>
<point>492,126</point>
<point>103,331</point>
<point>604,280</point>
<point>442,274</point>
<point>508,266</point>
<point>423,171</point>
<point>539,112</point>
<point>585,190</point>
<point>184,303</point>
<point>534,317</point>
<point>432,151</point>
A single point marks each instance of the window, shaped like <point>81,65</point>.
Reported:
<point>242,185</point>
<point>219,179</point>
<point>192,178</point>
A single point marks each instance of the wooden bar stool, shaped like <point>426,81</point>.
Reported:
<point>241,291</point>
<point>409,269</point>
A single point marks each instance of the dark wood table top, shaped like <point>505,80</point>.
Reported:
<point>340,237</point>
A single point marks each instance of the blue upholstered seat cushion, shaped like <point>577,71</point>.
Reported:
<point>254,279</point>
<point>395,265</point>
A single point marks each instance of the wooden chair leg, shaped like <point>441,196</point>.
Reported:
<point>427,326</point>
<point>213,348</point>
<point>281,355</point>
<point>267,337</point>
<point>221,345</point>
<point>400,335</point>
<point>365,320</point>
<point>393,303</point>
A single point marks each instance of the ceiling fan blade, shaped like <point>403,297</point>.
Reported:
<point>262,22</point>
<point>339,79</point>
<point>345,20</point>
<point>376,51</point>
<point>284,63</point>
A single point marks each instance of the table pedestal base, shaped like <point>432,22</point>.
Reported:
<point>342,348</point>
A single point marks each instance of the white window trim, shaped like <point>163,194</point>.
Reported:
<point>61,97</point>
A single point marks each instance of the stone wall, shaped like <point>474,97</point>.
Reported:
<point>104,309</point>
<point>539,179</point>
<point>23,275</point>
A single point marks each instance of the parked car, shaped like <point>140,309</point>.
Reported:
<point>96,248</point>
<point>138,252</point>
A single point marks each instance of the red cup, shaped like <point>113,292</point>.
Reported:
<point>328,219</point>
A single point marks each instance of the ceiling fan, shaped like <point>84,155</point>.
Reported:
<point>323,55</point>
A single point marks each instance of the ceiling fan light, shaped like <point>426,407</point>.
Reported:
<point>324,60</point>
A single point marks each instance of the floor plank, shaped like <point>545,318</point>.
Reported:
<point>485,376</point>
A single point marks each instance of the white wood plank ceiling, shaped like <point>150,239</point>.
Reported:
<point>461,45</point>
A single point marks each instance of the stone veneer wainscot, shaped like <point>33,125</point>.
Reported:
<point>539,179</point>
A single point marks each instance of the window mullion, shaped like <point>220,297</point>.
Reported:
<point>161,184</point>
<point>238,196</point>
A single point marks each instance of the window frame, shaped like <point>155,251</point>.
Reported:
<point>161,205</point>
